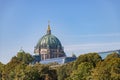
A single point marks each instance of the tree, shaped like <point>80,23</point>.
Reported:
<point>25,57</point>
<point>8,68</point>
<point>31,73</point>
<point>1,69</point>
<point>112,55</point>
<point>82,73</point>
<point>109,69</point>
<point>19,71</point>
<point>93,58</point>
<point>64,71</point>
<point>46,72</point>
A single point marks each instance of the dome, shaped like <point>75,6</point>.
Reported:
<point>49,46</point>
<point>49,41</point>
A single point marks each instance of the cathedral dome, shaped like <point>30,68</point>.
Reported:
<point>49,46</point>
<point>49,41</point>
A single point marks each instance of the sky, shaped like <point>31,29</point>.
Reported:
<point>82,26</point>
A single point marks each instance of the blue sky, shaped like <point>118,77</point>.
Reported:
<point>81,25</point>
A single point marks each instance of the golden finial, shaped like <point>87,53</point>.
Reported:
<point>48,30</point>
<point>48,25</point>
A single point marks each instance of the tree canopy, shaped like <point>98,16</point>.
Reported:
<point>87,67</point>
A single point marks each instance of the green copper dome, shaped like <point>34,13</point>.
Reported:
<point>49,41</point>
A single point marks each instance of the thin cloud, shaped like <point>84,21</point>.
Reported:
<point>102,35</point>
<point>95,47</point>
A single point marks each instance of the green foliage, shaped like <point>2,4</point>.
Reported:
<point>109,69</point>
<point>86,67</point>
<point>112,55</point>
<point>12,68</point>
<point>31,73</point>
<point>15,68</point>
<point>12,64</point>
<point>93,58</point>
<point>25,57</point>
<point>82,73</point>
<point>1,69</point>
<point>46,72</point>
<point>64,71</point>
<point>22,71</point>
